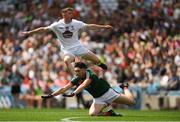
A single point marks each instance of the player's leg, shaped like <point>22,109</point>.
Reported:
<point>126,98</point>
<point>96,109</point>
<point>102,105</point>
<point>102,110</point>
<point>68,59</point>
<point>108,111</point>
<point>94,59</point>
<point>88,55</point>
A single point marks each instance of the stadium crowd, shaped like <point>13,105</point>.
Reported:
<point>142,49</point>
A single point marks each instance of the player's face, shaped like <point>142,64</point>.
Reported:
<point>80,72</point>
<point>67,14</point>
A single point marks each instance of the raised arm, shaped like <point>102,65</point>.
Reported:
<point>96,27</point>
<point>37,30</point>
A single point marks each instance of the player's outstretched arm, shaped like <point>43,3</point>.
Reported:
<point>96,27</point>
<point>37,30</point>
<point>59,91</point>
<point>79,88</point>
<point>82,86</point>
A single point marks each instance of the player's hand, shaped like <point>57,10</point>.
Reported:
<point>68,95</point>
<point>108,27</point>
<point>47,96</point>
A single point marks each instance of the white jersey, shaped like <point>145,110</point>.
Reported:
<point>67,33</point>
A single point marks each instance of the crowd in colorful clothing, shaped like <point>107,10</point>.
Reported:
<point>142,49</point>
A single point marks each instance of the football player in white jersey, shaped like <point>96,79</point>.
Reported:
<point>66,29</point>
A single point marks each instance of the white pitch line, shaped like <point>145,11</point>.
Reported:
<point>70,120</point>
<point>29,121</point>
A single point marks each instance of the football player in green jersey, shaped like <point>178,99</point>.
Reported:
<point>103,94</point>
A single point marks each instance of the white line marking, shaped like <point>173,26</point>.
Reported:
<point>28,121</point>
<point>70,119</point>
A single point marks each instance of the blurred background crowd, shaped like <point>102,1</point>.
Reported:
<point>142,49</point>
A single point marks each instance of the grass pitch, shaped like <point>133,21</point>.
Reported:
<point>82,115</point>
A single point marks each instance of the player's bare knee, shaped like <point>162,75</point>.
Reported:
<point>132,102</point>
<point>93,113</point>
<point>68,60</point>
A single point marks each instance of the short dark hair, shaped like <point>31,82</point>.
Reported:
<point>67,9</point>
<point>80,65</point>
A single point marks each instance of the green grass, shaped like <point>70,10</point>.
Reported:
<point>60,114</point>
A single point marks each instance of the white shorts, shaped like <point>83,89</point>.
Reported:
<point>79,50</point>
<point>106,98</point>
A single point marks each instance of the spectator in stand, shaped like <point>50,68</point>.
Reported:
<point>128,46</point>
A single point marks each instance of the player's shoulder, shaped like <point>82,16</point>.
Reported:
<point>76,21</point>
<point>90,72</point>
<point>60,21</point>
<point>74,80</point>
<point>55,23</point>
<point>74,77</point>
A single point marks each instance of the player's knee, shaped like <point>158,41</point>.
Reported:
<point>68,60</point>
<point>93,113</point>
<point>132,102</point>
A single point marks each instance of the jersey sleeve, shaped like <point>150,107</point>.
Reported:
<point>89,74</point>
<point>74,81</point>
<point>52,26</point>
<point>81,24</point>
